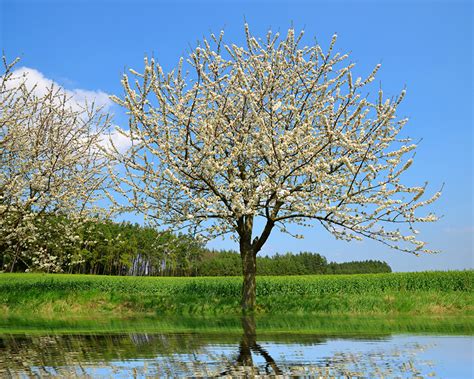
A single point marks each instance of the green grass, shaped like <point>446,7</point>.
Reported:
<point>277,324</point>
<point>59,296</point>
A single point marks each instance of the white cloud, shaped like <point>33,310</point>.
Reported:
<point>120,140</point>
<point>35,79</point>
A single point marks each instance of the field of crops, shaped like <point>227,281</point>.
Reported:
<point>230,286</point>
<point>449,291</point>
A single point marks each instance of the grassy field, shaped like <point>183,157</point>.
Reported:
<point>58,296</point>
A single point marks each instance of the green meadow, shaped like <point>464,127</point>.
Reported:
<point>73,297</point>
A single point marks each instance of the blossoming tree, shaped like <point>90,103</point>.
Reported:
<point>273,131</point>
<point>51,167</point>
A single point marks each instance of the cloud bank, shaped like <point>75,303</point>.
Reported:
<point>36,81</point>
<point>121,142</point>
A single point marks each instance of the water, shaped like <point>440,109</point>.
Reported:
<point>229,352</point>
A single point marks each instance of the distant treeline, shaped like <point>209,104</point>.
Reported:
<point>228,263</point>
<point>109,248</point>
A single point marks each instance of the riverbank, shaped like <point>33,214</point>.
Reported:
<point>278,324</point>
<point>58,296</point>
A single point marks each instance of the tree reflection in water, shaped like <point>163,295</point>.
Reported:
<point>248,344</point>
<point>208,354</point>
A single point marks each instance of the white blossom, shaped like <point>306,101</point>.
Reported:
<point>270,130</point>
<point>51,163</point>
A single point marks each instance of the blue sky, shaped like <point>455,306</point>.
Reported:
<point>423,45</point>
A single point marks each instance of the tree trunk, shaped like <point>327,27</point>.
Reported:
<point>15,258</point>
<point>248,253</point>
<point>249,269</point>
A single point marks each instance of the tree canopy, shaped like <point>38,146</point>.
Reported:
<point>50,163</point>
<point>275,130</point>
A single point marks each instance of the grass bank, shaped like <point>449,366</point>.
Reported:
<point>339,325</point>
<point>58,296</point>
